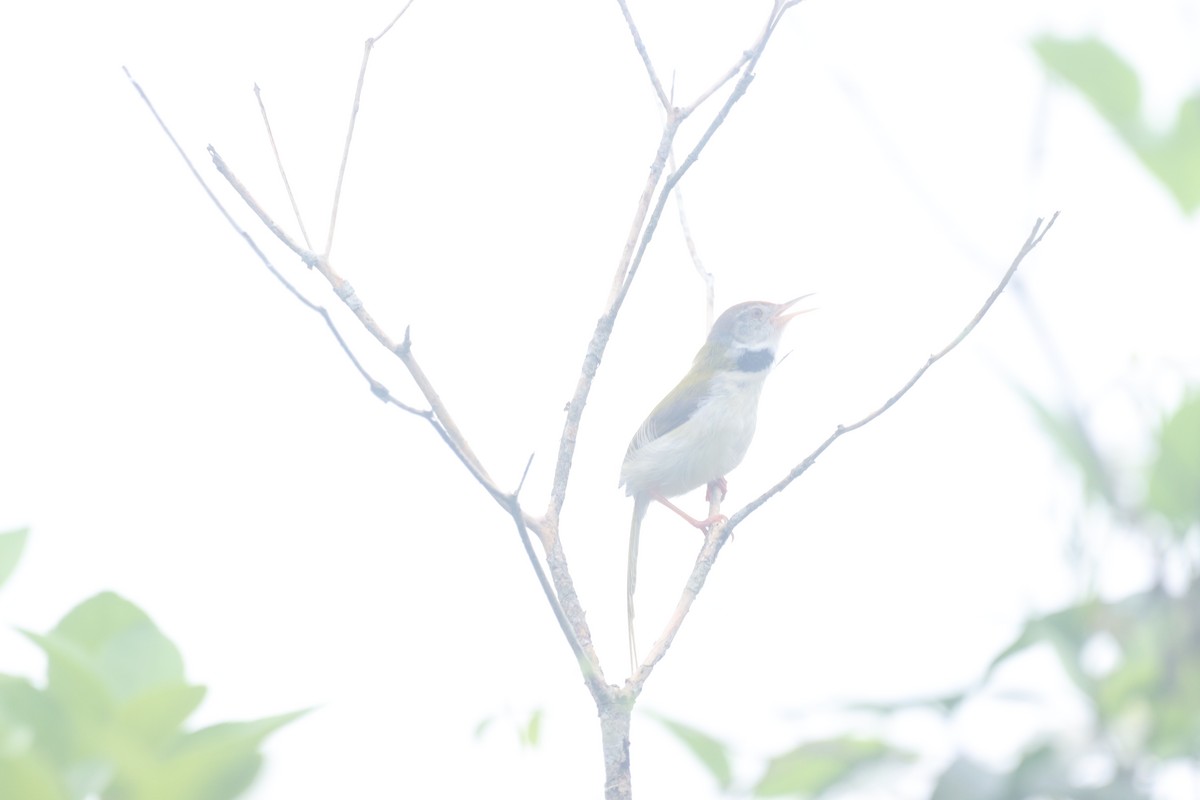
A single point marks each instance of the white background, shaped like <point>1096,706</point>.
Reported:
<point>177,428</point>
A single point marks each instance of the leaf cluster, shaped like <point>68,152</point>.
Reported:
<point>109,720</point>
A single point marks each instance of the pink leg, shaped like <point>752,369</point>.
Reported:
<point>720,484</point>
<point>703,525</point>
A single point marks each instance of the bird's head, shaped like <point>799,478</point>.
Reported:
<point>746,336</point>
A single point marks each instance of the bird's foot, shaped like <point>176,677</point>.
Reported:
<point>701,524</point>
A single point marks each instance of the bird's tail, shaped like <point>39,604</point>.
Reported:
<point>640,503</point>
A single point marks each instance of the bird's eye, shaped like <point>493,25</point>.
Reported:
<point>758,312</point>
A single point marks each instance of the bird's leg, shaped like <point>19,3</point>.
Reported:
<point>714,493</point>
<point>721,485</point>
<point>703,525</point>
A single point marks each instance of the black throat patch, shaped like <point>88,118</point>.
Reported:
<point>755,360</point>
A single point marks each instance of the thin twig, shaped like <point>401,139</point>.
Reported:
<point>337,190</point>
<point>368,45</point>
<point>438,416</point>
<point>524,475</point>
<point>729,75</point>
<point>343,289</point>
<point>395,19</point>
<point>670,128</point>
<point>720,534</point>
<point>641,48</point>
<point>1049,348</point>
<point>754,52</point>
<point>279,163</point>
<point>377,388</point>
<point>674,177</point>
<point>705,276</point>
<point>310,258</point>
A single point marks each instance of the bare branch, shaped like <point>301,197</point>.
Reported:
<point>670,128</point>
<point>279,163</point>
<point>439,416</point>
<point>343,289</point>
<point>337,191</point>
<point>1072,412</point>
<point>395,19</point>
<point>753,53</point>
<point>674,178</point>
<point>718,119</point>
<point>585,654</point>
<point>524,475</point>
<point>309,257</point>
<point>705,276</point>
<point>595,351</point>
<point>720,534</point>
<point>439,419</point>
<point>724,79</point>
<point>377,388</point>
<point>641,48</point>
<point>362,75</point>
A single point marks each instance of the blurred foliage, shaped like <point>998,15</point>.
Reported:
<point>1112,87</point>
<point>1143,700</point>
<point>811,769</point>
<point>709,751</point>
<point>528,728</point>
<point>109,720</point>
<point>1142,692</point>
<point>815,768</point>
<point>1145,703</point>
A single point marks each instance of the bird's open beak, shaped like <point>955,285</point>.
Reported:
<point>779,317</point>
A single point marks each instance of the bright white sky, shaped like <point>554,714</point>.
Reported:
<point>177,428</point>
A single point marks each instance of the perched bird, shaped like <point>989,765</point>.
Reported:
<point>703,428</point>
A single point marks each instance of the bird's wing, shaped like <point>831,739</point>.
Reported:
<point>674,410</point>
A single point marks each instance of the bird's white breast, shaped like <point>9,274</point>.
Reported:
<point>707,446</point>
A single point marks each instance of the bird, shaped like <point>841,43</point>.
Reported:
<point>702,429</point>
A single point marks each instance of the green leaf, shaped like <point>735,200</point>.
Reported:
<point>711,752</point>
<point>30,777</point>
<point>155,716</point>
<point>532,732</point>
<point>30,720</point>
<point>75,680</point>
<point>123,645</point>
<point>1174,485</point>
<point>215,763</point>
<point>219,762</point>
<point>1174,158</point>
<point>1100,75</point>
<point>11,546</point>
<point>816,767</point>
<point>1112,87</point>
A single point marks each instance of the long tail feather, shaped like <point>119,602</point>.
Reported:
<point>640,503</point>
